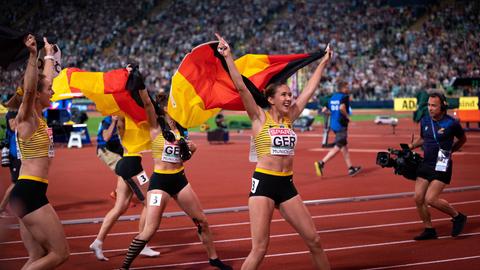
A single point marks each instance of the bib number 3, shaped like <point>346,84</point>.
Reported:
<point>142,178</point>
<point>155,199</point>
<point>255,183</point>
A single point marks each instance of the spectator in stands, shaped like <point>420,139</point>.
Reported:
<point>384,53</point>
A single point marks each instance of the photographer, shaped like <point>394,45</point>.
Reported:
<point>437,132</point>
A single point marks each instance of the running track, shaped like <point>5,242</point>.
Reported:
<point>365,222</point>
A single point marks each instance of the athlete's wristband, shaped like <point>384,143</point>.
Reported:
<point>49,57</point>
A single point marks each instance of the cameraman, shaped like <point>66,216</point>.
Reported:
<point>437,132</point>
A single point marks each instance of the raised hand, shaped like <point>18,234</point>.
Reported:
<point>31,44</point>
<point>328,53</point>
<point>129,68</point>
<point>223,47</point>
<point>49,51</point>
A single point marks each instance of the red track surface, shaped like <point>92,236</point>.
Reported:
<point>373,234</point>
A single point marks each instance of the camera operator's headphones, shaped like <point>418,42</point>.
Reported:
<point>443,101</point>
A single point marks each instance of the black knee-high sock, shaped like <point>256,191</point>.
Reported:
<point>135,247</point>
<point>219,264</point>
<point>135,188</point>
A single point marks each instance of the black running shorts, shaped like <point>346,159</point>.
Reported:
<point>170,183</point>
<point>277,188</point>
<point>27,196</point>
<point>427,171</point>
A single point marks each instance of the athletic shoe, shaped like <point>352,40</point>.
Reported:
<point>149,252</point>
<point>427,234</point>
<point>319,167</point>
<point>458,224</point>
<point>352,171</point>
<point>219,264</point>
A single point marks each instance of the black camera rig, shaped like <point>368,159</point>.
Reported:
<point>404,161</point>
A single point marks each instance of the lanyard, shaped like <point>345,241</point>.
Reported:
<point>434,132</point>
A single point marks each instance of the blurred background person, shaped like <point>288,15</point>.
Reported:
<point>12,161</point>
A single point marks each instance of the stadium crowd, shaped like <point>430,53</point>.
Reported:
<point>383,51</point>
<point>85,29</point>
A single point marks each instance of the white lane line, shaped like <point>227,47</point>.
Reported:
<point>326,250</point>
<point>366,150</point>
<point>424,263</point>
<point>237,209</point>
<point>273,221</point>
<point>285,235</point>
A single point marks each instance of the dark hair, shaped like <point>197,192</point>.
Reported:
<point>40,81</point>
<point>159,103</point>
<point>442,98</point>
<point>161,100</point>
<point>271,89</point>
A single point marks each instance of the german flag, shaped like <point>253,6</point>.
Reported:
<point>202,86</point>
<point>107,91</point>
<point>136,137</point>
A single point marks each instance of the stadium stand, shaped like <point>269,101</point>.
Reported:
<point>385,49</point>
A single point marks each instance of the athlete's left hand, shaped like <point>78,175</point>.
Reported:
<point>223,48</point>
<point>192,146</point>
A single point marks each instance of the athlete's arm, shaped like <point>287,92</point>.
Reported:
<point>311,86</point>
<point>253,110</point>
<point>48,63</point>
<point>25,125</point>
<point>149,109</point>
<point>30,81</point>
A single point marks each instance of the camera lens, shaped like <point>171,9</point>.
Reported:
<point>383,159</point>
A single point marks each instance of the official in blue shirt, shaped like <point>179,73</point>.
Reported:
<point>438,131</point>
<point>339,107</point>
<point>109,147</point>
<point>14,162</point>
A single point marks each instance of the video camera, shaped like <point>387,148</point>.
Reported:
<point>404,162</point>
